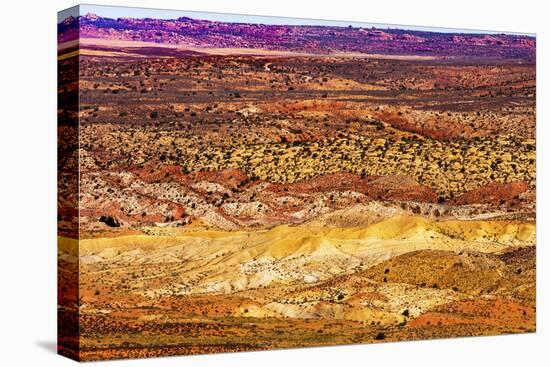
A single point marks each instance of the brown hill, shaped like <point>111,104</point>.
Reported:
<point>493,193</point>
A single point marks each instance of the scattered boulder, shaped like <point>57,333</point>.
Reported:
<point>110,221</point>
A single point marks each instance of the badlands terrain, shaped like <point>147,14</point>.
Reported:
<point>235,196</point>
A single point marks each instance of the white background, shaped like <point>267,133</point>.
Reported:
<point>28,182</point>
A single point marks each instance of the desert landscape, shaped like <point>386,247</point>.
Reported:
<point>231,186</point>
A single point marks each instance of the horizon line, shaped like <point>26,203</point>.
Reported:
<point>117,12</point>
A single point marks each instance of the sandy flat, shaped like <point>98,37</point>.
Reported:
<point>97,42</point>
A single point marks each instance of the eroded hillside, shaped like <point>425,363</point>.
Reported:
<point>234,202</point>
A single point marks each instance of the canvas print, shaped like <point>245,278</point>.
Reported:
<point>235,183</point>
